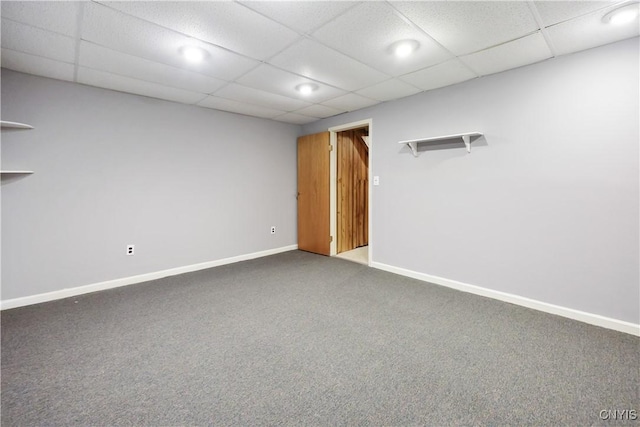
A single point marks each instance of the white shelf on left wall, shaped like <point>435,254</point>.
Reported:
<point>14,125</point>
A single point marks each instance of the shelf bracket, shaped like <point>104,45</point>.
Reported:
<point>414,148</point>
<point>467,142</point>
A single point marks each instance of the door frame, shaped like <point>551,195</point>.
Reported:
<point>333,184</point>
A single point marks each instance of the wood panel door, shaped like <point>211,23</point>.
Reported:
<point>352,190</point>
<point>314,234</point>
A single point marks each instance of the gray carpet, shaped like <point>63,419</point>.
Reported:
<point>300,339</point>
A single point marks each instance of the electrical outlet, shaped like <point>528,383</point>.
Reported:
<point>130,249</point>
<point>273,229</point>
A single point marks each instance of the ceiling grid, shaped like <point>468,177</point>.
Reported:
<point>256,53</point>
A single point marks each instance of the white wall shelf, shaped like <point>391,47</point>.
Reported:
<point>14,125</point>
<point>466,137</point>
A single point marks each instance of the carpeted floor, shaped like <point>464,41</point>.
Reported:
<point>305,340</point>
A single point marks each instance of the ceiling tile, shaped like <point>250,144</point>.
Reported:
<point>239,107</point>
<point>524,51</point>
<point>350,102</point>
<point>467,26</point>
<point>123,33</point>
<point>59,17</point>
<point>139,87</point>
<point>361,27</point>
<point>249,95</point>
<point>553,12</point>
<point>216,22</point>
<point>37,65</point>
<point>318,62</point>
<point>319,111</point>
<point>445,74</point>
<point>589,31</point>
<point>296,119</point>
<point>301,16</point>
<point>27,39</point>
<point>271,79</point>
<point>391,89</point>
<point>101,58</point>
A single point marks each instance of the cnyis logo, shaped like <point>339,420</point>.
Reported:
<point>618,414</point>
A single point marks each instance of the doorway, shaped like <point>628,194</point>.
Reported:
<point>352,201</point>
<point>318,192</point>
<point>351,191</point>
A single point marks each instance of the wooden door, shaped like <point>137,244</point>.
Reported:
<point>314,234</point>
<point>352,191</point>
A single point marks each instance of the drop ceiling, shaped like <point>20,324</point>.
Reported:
<point>258,52</point>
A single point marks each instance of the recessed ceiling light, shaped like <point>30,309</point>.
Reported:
<point>622,15</point>
<point>193,54</point>
<point>306,88</point>
<point>404,48</point>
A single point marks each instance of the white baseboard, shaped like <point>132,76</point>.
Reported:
<point>70,292</point>
<point>593,319</point>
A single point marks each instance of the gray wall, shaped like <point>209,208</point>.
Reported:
<point>545,207</point>
<point>184,184</point>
